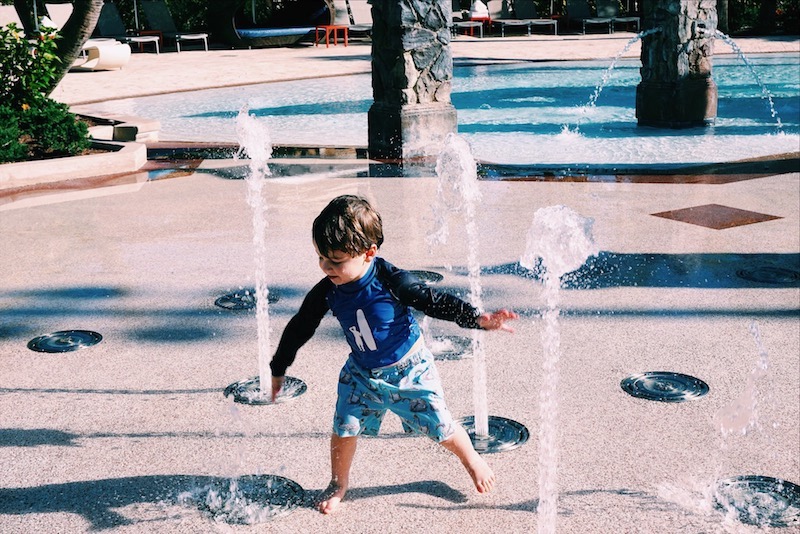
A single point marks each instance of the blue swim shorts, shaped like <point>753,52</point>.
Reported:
<point>410,388</point>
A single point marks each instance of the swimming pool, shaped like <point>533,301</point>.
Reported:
<point>516,113</point>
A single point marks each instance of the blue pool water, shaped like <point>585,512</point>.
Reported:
<point>518,113</point>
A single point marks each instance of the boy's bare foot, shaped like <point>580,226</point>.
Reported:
<point>330,499</point>
<point>482,475</point>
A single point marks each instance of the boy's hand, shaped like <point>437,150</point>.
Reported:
<point>277,385</point>
<point>496,320</point>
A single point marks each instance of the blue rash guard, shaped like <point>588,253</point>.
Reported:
<point>375,315</point>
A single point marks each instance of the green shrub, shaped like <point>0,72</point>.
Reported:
<point>28,66</point>
<point>33,126</point>
<point>53,130</point>
<point>11,149</point>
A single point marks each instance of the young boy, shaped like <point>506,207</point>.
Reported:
<point>389,365</point>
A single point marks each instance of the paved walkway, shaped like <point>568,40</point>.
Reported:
<point>695,277</point>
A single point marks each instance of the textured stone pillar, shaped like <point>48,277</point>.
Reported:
<point>412,71</point>
<point>676,90</point>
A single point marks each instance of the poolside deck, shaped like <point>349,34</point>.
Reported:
<point>105,438</point>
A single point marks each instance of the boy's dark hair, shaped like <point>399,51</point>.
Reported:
<point>347,224</point>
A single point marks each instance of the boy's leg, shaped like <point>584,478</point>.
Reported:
<point>460,445</point>
<point>342,452</point>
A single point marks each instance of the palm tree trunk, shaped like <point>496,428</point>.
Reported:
<point>74,34</point>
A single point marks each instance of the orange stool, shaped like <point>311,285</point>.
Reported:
<point>330,29</point>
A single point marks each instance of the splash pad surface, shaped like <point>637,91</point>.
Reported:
<point>104,438</point>
<point>514,113</point>
<point>107,438</point>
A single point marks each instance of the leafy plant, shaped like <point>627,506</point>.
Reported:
<point>27,66</point>
<point>11,149</point>
<point>33,126</point>
<point>53,130</point>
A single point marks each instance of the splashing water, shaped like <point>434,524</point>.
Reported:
<point>559,241</point>
<point>741,415</point>
<point>585,110</point>
<point>738,502</point>
<point>457,192</point>
<point>245,500</point>
<point>254,139</point>
<point>764,91</point>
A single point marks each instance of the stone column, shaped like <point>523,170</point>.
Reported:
<point>412,71</point>
<point>676,90</point>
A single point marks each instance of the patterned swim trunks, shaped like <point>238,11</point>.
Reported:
<point>410,388</point>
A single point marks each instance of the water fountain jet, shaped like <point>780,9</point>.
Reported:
<point>559,242</point>
<point>457,192</point>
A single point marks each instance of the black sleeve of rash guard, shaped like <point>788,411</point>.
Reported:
<point>301,327</point>
<point>412,291</point>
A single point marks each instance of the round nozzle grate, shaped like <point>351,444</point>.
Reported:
<point>504,434</point>
<point>664,386</point>
<point>65,341</point>
<point>759,500</point>
<point>249,391</point>
<point>250,499</point>
<point>244,299</point>
<point>449,347</point>
<point>767,274</point>
<point>429,277</point>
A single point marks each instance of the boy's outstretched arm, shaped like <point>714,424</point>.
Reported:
<point>299,330</point>
<point>497,320</point>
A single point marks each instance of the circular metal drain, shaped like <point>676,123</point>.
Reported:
<point>504,434</point>
<point>429,277</point>
<point>250,499</point>
<point>664,386</point>
<point>244,299</point>
<point>758,500</point>
<point>249,391</point>
<point>449,347</point>
<point>65,341</point>
<point>769,275</point>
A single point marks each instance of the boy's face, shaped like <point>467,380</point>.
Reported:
<point>342,268</point>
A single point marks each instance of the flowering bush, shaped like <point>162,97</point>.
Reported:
<point>27,66</point>
<point>31,124</point>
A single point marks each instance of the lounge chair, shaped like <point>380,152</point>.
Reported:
<point>111,26</point>
<point>344,17</point>
<point>159,18</point>
<point>104,54</point>
<point>290,28</point>
<point>461,21</point>
<point>500,14</point>
<point>610,9</point>
<point>526,10</point>
<point>579,10</point>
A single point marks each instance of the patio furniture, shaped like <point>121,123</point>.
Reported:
<point>111,26</point>
<point>526,10</point>
<point>610,9</point>
<point>579,10</point>
<point>104,55</point>
<point>160,19</point>
<point>296,22</point>
<point>328,30</point>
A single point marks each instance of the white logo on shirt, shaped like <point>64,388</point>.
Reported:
<point>362,334</point>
